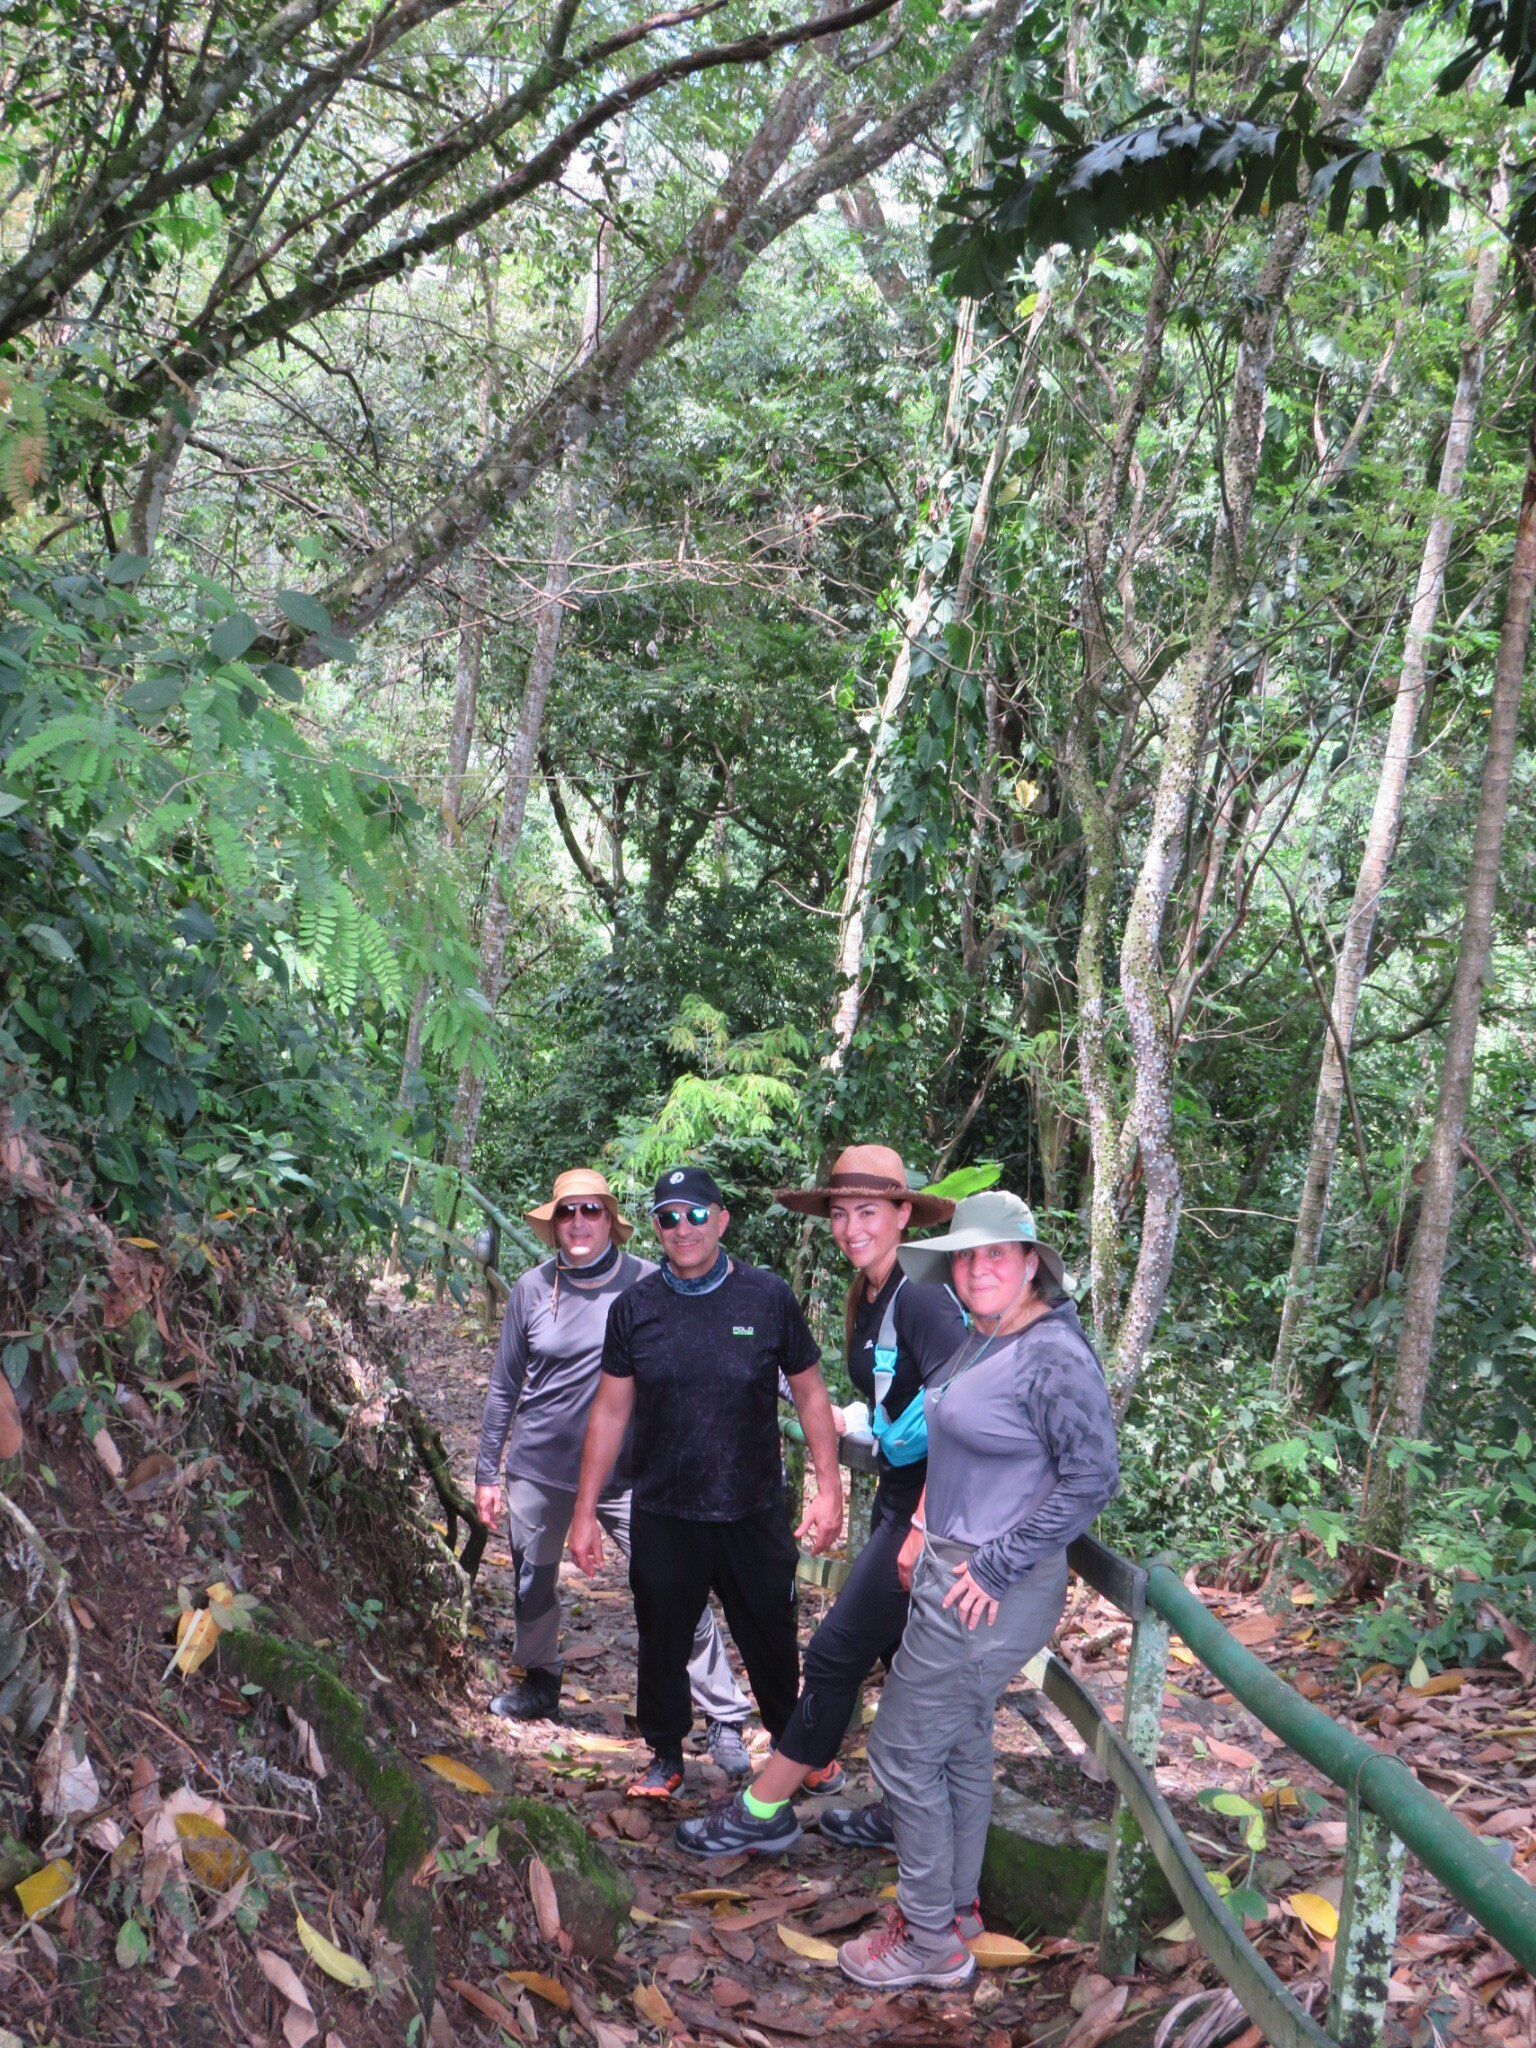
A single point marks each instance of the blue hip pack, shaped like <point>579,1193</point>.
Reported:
<point>904,1441</point>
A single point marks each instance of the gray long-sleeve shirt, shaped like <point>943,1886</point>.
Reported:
<point>1021,1449</point>
<point>546,1373</point>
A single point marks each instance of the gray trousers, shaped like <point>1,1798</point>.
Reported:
<point>538,1521</point>
<point>930,1749</point>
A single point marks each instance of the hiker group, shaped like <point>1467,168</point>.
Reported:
<point>643,1399</point>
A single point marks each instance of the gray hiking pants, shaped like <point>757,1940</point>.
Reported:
<point>538,1521</point>
<point>930,1750</point>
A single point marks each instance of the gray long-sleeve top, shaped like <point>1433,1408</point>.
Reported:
<point>546,1373</point>
<point>1021,1448</point>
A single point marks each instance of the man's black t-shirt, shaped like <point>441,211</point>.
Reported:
<point>929,1329</point>
<point>705,1440</point>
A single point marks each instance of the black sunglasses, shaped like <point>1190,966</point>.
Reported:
<point>566,1210</point>
<point>669,1219</point>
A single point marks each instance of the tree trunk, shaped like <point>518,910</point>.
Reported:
<point>1386,821</point>
<point>1097,823</point>
<point>849,956</point>
<point>522,757</point>
<point>1142,980</point>
<point>1386,1491</point>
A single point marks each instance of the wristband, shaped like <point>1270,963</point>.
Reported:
<point>920,1527</point>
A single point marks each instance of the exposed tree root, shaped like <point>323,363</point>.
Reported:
<point>301,1679</point>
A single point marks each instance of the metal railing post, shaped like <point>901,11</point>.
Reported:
<point>1362,1958</point>
<point>1130,1857</point>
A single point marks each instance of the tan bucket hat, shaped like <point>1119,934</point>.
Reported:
<point>995,1217</point>
<point>580,1184</point>
<point>863,1172</point>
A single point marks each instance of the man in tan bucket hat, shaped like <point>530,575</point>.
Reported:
<point>542,1384</point>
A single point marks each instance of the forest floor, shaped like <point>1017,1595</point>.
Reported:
<point>169,1937</point>
<point>1470,1735</point>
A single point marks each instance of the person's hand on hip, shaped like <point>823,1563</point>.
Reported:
<point>976,1605</point>
<point>586,1544</point>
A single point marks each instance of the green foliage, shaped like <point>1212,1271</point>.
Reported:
<point>209,918</point>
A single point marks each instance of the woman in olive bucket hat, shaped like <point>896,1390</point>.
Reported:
<point>900,1333</point>
<point>1021,1458</point>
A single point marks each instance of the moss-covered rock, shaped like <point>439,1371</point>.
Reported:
<point>594,1896</point>
<point>302,1679</point>
<point>1045,1869</point>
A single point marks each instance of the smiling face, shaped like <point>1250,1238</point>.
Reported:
<point>582,1237</point>
<point>690,1247</point>
<point>867,1231</point>
<point>993,1278</point>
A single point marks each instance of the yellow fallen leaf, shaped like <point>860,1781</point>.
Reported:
<point>810,1946</point>
<point>1280,1798</point>
<point>641,1918</point>
<point>333,1960</point>
<point>43,1890</point>
<point>886,1891</point>
<point>1303,1596</point>
<point>1181,1655</point>
<point>1000,1951</point>
<point>210,1852</point>
<point>197,1637</point>
<point>1320,1916</point>
<point>653,2008</point>
<point>145,1244</point>
<point>599,1745</point>
<point>1442,1682</point>
<point>541,1987</point>
<point>712,1895</point>
<point>460,1775</point>
<point>1176,1930</point>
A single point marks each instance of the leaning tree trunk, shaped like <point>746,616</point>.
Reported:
<point>1143,982</point>
<point>1381,838</point>
<point>1386,1492</point>
<point>854,914</point>
<point>524,751</point>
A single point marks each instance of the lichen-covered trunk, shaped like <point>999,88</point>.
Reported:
<point>1290,1372</point>
<point>1097,823</point>
<point>1385,1503</point>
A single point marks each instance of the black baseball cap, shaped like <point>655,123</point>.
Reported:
<point>684,1186</point>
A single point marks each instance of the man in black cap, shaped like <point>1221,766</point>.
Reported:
<point>691,1364</point>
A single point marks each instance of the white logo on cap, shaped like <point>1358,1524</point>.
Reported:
<point>673,1179</point>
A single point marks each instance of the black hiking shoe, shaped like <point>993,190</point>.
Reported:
<point>728,1750</point>
<point>535,1697</point>
<point>729,1830</point>
<point>860,1827</point>
<point>662,1776</point>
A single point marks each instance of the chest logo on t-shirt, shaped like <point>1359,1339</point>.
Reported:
<point>742,1330</point>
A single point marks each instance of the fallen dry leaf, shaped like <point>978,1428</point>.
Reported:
<point>108,1456</point>
<point>1521,1653</point>
<point>46,1888</point>
<point>1001,1951</point>
<point>1231,1753</point>
<point>11,1438</point>
<point>653,2008</point>
<point>808,1945</point>
<point>488,2007</point>
<point>1099,2019</point>
<point>728,1994</point>
<point>455,1773</point>
<point>65,1783</point>
<point>1318,1915</point>
<point>150,1476</point>
<point>547,1988</point>
<point>546,1907</point>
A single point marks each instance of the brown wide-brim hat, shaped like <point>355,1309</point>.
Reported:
<point>865,1173</point>
<point>581,1184</point>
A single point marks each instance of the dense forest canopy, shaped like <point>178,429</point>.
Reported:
<point>585,585</point>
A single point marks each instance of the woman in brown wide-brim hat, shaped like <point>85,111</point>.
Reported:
<point>900,1334</point>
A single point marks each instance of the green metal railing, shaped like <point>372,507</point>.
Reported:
<point>1388,1814</point>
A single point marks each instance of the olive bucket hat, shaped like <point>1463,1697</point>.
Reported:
<point>995,1217</point>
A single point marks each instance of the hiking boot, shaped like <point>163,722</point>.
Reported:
<point>830,1778</point>
<point>729,1830</point>
<point>969,1921</point>
<point>535,1697</point>
<point>728,1749</point>
<point>662,1776</point>
<point>860,1827</point>
<point>897,1956</point>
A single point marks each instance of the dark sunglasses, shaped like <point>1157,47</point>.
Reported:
<point>669,1219</point>
<point>566,1210</point>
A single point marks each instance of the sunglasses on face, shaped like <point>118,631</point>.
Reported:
<point>669,1219</point>
<point>567,1210</point>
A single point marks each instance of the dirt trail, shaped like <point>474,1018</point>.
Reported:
<point>723,1965</point>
